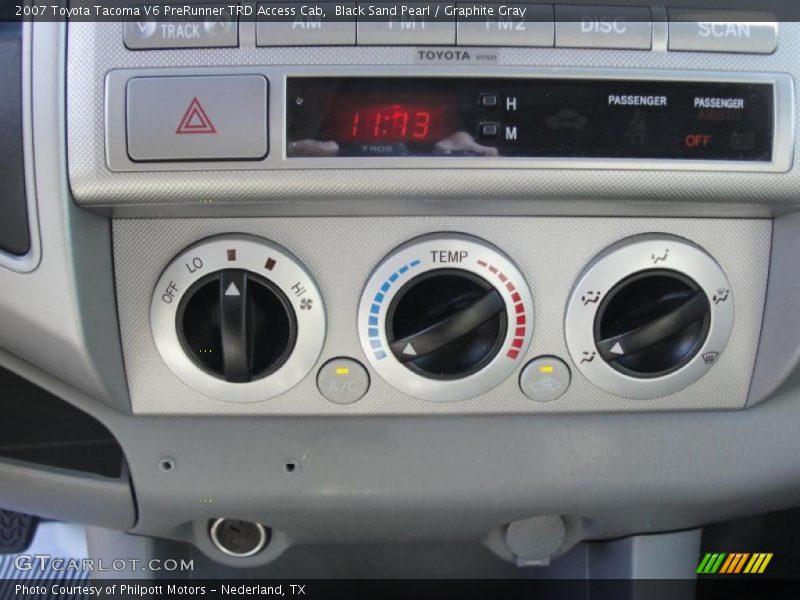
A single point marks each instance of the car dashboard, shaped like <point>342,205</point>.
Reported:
<point>431,281</point>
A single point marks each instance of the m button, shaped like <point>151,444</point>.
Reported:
<point>197,118</point>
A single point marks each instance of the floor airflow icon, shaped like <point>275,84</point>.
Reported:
<point>195,120</point>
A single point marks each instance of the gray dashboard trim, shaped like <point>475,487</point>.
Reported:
<point>361,478</point>
<point>96,50</point>
<point>118,159</point>
<point>779,347</point>
<point>27,262</point>
<point>404,478</point>
<point>61,494</point>
<point>62,315</point>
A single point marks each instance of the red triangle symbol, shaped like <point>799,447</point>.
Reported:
<point>195,120</point>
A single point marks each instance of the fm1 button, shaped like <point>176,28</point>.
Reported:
<point>545,378</point>
<point>343,380</point>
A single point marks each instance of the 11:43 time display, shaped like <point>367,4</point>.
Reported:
<point>392,123</point>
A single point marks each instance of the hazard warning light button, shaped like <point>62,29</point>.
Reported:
<point>197,118</point>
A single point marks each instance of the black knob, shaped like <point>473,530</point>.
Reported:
<point>446,324</point>
<point>236,325</point>
<point>652,323</point>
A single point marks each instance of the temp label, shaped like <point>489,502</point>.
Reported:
<point>449,256</point>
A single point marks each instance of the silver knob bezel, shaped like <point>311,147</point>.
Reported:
<point>251,253</point>
<point>620,261</point>
<point>415,258</point>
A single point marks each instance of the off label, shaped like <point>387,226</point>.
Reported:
<point>170,292</point>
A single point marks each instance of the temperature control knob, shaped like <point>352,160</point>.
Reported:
<point>446,324</point>
<point>238,318</point>
<point>446,317</point>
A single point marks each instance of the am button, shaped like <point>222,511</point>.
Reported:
<point>197,118</point>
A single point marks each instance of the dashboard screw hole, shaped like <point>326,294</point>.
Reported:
<point>291,466</point>
<point>167,465</point>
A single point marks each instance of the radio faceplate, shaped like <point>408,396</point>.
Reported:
<point>750,141</point>
<point>528,118</point>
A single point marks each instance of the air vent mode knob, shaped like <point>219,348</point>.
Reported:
<point>652,323</point>
<point>238,318</point>
<point>649,316</point>
<point>446,317</point>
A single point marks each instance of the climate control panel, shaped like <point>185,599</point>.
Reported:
<point>475,316</point>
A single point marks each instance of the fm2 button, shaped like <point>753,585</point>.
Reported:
<point>343,381</point>
<point>545,379</point>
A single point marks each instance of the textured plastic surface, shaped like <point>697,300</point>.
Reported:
<point>62,315</point>
<point>413,479</point>
<point>404,479</point>
<point>61,494</point>
<point>779,347</point>
<point>341,253</point>
<point>99,47</point>
<point>665,556</point>
<point>14,234</point>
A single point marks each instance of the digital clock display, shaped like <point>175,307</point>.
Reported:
<point>390,122</point>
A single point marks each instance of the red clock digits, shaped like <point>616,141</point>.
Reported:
<point>422,125</point>
<point>393,123</point>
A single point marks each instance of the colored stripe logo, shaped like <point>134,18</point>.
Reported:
<point>734,563</point>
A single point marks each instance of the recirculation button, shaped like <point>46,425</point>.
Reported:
<point>545,379</point>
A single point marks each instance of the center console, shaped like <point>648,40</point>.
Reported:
<point>428,227</point>
<point>392,267</point>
